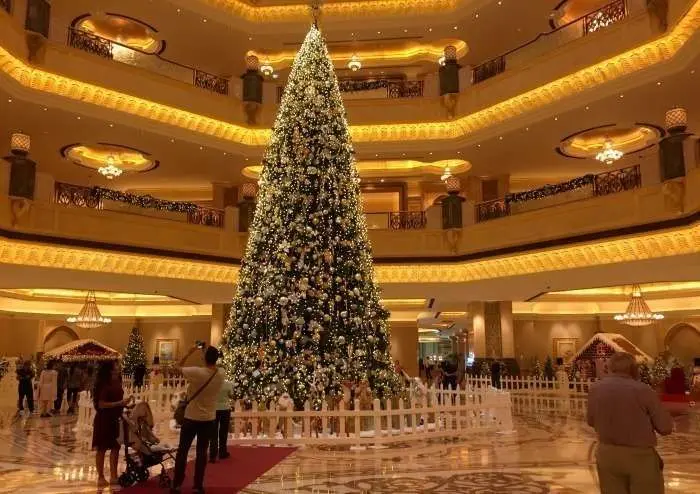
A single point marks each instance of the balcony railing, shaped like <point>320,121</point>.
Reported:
<point>106,48</point>
<point>594,21</point>
<point>100,198</point>
<point>374,89</point>
<point>579,188</point>
<point>397,220</point>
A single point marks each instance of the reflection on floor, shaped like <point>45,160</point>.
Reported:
<point>542,455</point>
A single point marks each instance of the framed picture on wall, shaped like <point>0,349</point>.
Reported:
<point>167,350</point>
<point>564,348</point>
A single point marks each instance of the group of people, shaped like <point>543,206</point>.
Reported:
<point>443,373</point>
<point>55,380</point>
<point>207,417</point>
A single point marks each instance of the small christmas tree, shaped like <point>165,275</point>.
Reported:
<point>548,371</point>
<point>659,371</point>
<point>4,367</point>
<point>537,370</point>
<point>135,353</point>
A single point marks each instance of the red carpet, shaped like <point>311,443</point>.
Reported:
<point>231,475</point>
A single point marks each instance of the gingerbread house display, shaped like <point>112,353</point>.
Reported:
<point>86,350</point>
<point>590,360</point>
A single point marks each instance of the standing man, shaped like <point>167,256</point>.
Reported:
<point>219,439</point>
<point>627,414</point>
<point>200,415</point>
<point>25,387</point>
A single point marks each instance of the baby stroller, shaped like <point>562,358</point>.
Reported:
<point>137,428</point>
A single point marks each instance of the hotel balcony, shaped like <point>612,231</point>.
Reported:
<point>583,42</point>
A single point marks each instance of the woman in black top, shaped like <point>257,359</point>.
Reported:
<point>108,398</point>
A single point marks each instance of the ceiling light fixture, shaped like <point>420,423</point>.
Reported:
<point>355,63</point>
<point>609,154</point>
<point>446,174</point>
<point>89,316</point>
<point>441,61</point>
<point>638,312</point>
<point>110,171</point>
<point>266,69</point>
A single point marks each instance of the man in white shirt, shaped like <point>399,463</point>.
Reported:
<point>218,448</point>
<point>200,414</point>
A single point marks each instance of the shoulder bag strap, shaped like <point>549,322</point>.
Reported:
<point>201,388</point>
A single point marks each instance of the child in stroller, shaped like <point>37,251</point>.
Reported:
<point>137,427</point>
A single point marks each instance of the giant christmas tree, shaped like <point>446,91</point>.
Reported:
<point>307,315</point>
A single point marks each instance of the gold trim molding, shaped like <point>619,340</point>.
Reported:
<point>632,61</point>
<point>682,241</point>
<point>274,14</point>
<point>108,262</point>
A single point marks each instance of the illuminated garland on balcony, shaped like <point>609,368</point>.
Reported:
<point>146,201</point>
<point>551,190</point>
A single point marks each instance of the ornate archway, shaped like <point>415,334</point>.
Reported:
<point>683,341</point>
<point>59,336</point>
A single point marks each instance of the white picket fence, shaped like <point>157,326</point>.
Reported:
<point>536,396</point>
<point>436,413</point>
<point>8,394</point>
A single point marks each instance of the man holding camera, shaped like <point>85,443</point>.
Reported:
<point>204,384</point>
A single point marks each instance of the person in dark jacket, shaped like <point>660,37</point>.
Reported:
<point>25,376</point>
<point>139,375</point>
<point>496,374</point>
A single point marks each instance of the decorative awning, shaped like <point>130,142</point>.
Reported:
<point>86,350</point>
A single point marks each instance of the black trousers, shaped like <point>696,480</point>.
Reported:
<point>219,436</point>
<point>24,390</point>
<point>59,400</point>
<point>72,397</point>
<point>496,381</point>
<point>203,432</point>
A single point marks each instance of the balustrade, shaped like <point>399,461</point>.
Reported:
<point>106,48</point>
<point>374,89</point>
<point>397,220</point>
<point>99,198</point>
<point>579,188</point>
<point>605,16</point>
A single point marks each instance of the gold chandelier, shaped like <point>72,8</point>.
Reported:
<point>89,316</point>
<point>638,312</point>
<point>110,170</point>
<point>609,154</point>
<point>355,63</point>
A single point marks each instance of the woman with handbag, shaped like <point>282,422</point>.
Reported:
<point>196,415</point>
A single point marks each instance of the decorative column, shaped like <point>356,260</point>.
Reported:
<point>219,318</point>
<point>404,345</point>
<point>452,204</point>
<point>252,89</point>
<point>658,12</point>
<point>246,207</point>
<point>36,25</point>
<point>22,169</point>
<point>449,80</point>
<point>671,147</point>
<point>492,325</point>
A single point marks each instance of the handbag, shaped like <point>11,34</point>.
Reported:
<point>179,414</point>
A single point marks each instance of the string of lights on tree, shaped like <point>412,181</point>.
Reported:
<point>307,315</point>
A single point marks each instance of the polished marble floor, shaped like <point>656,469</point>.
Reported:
<point>542,455</point>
